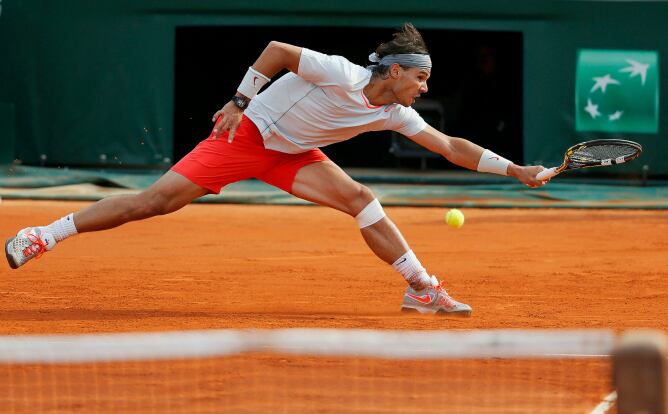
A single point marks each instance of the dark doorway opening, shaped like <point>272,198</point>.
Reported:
<point>476,84</point>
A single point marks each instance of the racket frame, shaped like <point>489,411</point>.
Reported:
<point>551,172</point>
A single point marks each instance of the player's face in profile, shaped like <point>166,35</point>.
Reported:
<point>411,84</point>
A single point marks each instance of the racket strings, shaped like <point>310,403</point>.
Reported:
<point>595,154</point>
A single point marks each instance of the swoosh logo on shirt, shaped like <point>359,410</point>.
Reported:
<point>423,299</point>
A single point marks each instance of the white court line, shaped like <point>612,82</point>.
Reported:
<point>605,405</point>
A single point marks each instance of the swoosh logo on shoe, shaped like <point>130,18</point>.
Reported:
<point>423,299</point>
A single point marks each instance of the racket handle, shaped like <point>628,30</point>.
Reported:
<point>546,174</point>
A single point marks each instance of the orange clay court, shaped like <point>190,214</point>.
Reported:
<point>242,266</point>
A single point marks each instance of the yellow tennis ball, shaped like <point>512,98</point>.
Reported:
<point>454,218</point>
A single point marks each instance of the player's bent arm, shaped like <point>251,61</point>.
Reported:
<point>277,56</point>
<point>466,154</point>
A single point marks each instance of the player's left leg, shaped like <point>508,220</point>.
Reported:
<point>206,169</point>
<point>326,184</point>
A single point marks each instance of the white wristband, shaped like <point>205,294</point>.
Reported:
<point>252,83</point>
<point>493,163</point>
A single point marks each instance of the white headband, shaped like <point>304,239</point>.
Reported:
<point>405,59</point>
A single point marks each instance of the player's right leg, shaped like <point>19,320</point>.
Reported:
<point>171,192</point>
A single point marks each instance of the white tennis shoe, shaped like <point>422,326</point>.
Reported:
<point>29,243</point>
<point>433,300</point>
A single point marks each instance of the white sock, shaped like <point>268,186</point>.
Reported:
<point>411,269</point>
<point>62,228</point>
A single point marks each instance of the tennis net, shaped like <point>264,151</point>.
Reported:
<point>310,371</point>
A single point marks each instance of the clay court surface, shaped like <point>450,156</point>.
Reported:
<point>244,266</point>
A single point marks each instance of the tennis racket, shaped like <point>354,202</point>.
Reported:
<point>596,153</point>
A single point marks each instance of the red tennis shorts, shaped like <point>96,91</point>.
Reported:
<point>214,163</point>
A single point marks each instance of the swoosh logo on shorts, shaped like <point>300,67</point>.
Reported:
<point>423,299</point>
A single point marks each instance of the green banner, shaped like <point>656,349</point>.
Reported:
<point>617,91</point>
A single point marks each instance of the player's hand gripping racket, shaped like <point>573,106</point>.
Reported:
<point>596,153</point>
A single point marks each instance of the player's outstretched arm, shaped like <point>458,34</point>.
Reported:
<point>466,154</point>
<point>274,58</point>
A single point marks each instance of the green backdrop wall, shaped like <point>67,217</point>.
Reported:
<point>93,82</point>
<point>7,117</point>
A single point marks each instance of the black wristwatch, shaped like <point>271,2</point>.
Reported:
<point>241,102</point>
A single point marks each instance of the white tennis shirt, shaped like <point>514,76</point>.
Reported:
<point>323,105</point>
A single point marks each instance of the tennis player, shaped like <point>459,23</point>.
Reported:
<point>275,136</point>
